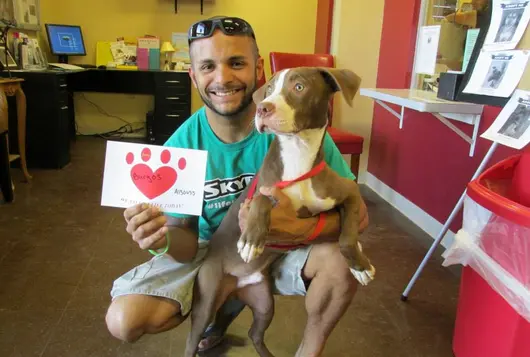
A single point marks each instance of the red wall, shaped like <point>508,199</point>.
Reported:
<point>425,161</point>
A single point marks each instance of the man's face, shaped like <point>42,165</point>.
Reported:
<point>225,72</point>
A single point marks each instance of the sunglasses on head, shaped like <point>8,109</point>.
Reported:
<point>229,25</point>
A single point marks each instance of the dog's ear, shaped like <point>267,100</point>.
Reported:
<point>342,80</point>
<point>260,93</point>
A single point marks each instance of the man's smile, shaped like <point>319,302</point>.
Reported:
<point>225,93</point>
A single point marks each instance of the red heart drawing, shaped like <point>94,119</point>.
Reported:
<point>153,184</point>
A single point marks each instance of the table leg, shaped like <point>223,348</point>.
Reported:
<point>4,115</point>
<point>6,185</point>
<point>21,118</point>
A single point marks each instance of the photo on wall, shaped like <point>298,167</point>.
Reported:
<point>509,20</point>
<point>512,126</point>
<point>497,73</point>
<point>511,17</point>
<point>517,123</point>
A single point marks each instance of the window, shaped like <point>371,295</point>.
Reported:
<point>454,19</point>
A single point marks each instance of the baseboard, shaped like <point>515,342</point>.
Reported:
<point>413,212</point>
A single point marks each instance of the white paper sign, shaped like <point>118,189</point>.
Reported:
<point>427,49</point>
<point>497,73</point>
<point>512,126</point>
<point>509,20</point>
<point>170,178</point>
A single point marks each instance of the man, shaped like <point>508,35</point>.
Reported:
<point>156,296</point>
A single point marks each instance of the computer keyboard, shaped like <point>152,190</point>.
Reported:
<point>71,67</point>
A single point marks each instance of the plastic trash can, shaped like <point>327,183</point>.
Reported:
<point>493,314</point>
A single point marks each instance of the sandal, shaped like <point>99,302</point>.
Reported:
<point>211,342</point>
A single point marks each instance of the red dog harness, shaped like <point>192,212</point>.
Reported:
<point>283,184</point>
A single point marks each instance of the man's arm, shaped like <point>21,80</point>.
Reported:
<point>148,227</point>
<point>302,228</point>
<point>287,228</point>
<point>183,238</point>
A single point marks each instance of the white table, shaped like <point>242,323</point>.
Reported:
<point>427,102</point>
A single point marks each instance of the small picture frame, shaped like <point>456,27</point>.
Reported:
<point>10,61</point>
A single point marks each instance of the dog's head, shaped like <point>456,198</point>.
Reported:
<point>297,99</point>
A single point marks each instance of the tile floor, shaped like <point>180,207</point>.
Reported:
<point>60,251</point>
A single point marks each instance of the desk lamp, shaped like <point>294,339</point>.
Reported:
<point>167,48</point>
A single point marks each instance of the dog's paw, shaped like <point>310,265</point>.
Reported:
<point>248,248</point>
<point>365,276</point>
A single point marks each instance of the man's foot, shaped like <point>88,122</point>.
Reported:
<point>215,333</point>
<point>211,339</point>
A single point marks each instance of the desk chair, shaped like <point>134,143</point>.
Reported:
<point>347,143</point>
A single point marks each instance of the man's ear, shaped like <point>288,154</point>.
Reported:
<point>260,93</point>
<point>342,80</point>
<point>260,68</point>
<point>192,76</point>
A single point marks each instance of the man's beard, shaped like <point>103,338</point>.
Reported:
<point>245,102</point>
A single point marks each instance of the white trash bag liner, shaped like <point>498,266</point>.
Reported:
<point>498,250</point>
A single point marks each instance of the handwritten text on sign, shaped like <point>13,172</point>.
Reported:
<point>170,178</point>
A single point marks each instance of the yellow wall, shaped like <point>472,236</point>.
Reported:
<point>357,27</point>
<point>524,44</point>
<point>108,19</point>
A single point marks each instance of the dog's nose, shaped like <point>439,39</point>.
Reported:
<point>265,109</point>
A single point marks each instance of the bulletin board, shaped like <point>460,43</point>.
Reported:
<point>488,99</point>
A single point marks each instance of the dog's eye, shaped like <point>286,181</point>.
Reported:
<point>269,89</point>
<point>299,87</point>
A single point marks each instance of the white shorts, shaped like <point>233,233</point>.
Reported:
<point>164,277</point>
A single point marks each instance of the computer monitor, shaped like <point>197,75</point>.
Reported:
<point>65,40</point>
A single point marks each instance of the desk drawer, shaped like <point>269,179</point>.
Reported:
<point>62,98</point>
<point>166,124</point>
<point>174,79</point>
<point>61,82</point>
<point>171,115</point>
<point>173,91</point>
<point>172,102</point>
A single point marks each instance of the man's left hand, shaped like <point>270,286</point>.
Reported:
<point>285,225</point>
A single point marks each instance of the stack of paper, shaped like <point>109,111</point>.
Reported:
<point>149,49</point>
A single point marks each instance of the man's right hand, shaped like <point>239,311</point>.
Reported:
<point>146,225</point>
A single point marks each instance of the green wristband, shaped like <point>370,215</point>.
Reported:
<point>156,254</point>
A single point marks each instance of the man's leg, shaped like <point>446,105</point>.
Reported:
<point>153,297</point>
<point>331,290</point>
<point>129,317</point>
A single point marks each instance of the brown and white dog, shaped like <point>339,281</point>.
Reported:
<point>293,105</point>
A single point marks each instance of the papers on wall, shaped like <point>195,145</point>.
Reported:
<point>123,53</point>
<point>471,40</point>
<point>148,42</point>
<point>497,73</point>
<point>427,50</point>
<point>509,20</point>
<point>512,126</point>
<point>180,44</point>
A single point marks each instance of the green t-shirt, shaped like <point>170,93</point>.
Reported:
<point>231,167</point>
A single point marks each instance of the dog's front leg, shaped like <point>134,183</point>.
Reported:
<point>349,244</point>
<point>252,240</point>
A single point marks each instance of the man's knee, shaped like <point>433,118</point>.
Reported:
<point>327,262</point>
<point>131,316</point>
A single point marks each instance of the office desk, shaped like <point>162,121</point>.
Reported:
<point>51,113</point>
